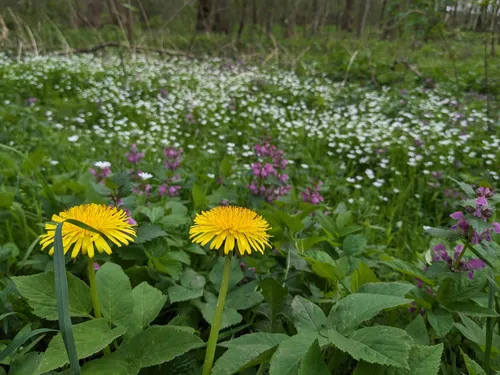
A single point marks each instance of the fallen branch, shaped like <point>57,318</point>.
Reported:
<point>119,45</point>
<point>410,66</point>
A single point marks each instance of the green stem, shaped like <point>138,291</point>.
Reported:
<point>489,326</point>
<point>214,331</point>
<point>93,294</point>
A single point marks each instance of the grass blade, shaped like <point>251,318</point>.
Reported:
<point>62,301</point>
<point>15,344</point>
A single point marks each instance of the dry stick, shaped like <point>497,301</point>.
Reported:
<point>353,57</point>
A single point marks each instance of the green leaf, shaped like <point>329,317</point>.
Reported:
<point>288,357</point>
<point>418,331</point>
<point>397,289</point>
<point>148,302</point>
<point>313,362</point>
<point>215,275</point>
<point>179,293</point>
<point>473,367</point>
<point>156,248</point>
<point>247,351</point>
<point>114,364</point>
<point>460,288</point>
<point>354,244</point>
<point>147,232</point>
<point>40,291</point>
<point>174,221</point>
<point>471,308</point>
<point>191,279</point>
<point>244,297</point>
<point>159,344</point>
<point>408,269</point>
<point>26,365</point>
<point>348,313</point>
<point>441,320</point>
<point>230,316</point>
<point>362,275</point>
<point>153,213</point>
<point>380,344</point>
<point>199,197</point>
<point>343,219</point>
<point>20,340</point>
<point>306,243</point>
<point>226,167</point>
<point>274,294</point>
<point>90,337</point>
<point>115,294</point>
<point>307,316</point>
<point>170,267</point>
<point>466,188</point>
<point>443,233</point>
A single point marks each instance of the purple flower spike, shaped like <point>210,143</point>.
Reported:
<point>481,201</point>
<point>457,215</point>
<point>496,227</point>
<point>96,266</point>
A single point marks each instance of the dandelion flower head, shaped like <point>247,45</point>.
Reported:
<point>230,225</point>
<point>111,222</point>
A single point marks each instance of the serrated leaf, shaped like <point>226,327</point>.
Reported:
<point>471,308</point>
<point>27,364</point>
<point>391,289</point>
<point>170,267</point>
<point>113,364</point>
<point>246,351</point>
<point>383,345</point>
<point>179,293</point>
<point>362,275</point>
<point>148,302</point>
<point>153,213</point>
<point>199,197</point>
<point>174,221</point>
<point>408,269</point>
<point>274,294</point>
<point>215,275</point>
<point>441,320</point>
<point>287,358</point>
<point>307,316</point>
<point>115,294</point>
<point>147,232</point>
<point>90,337</point>
<point>230,316</point>
<point>156,248</point>
<point>40,292</point>
<point>466,188</point>
<point>159,344</point>
<point>244,296</point>
<point>418,331</point>
<point>313,362</point>
<point>354,244</point>
<point>349,312</point>
<point>443,233</point>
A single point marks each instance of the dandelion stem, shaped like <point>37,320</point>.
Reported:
<point>93,294</point>
<point>216,325</point>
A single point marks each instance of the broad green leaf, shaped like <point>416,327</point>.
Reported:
<point>153,213</point>
<point>40,292</point>
<point>113,364</point>
<point>215,275</point>
<point>348,313</point>
<point>418,331</point>
<point>199,197</point>
<point>148,302</point>
<point>174,221</point>
<point>354,244</point>
<point>343,219</point>
<point>230,316</point>
<point>313,362</point>
<point>225,167</point>
<point>466,188</point>
<point>381,344</point>
<point>247,351</point>
<point>157,247</point>
<point>408,269</point>
<point>307,316</point>
<point>26,365</point>
<point>441,320</point>
<point>460,288</point>
<point>473,367</point>
<point>288,357</point>
<point>170,267</point>
<point>444,233</point>
<point>397,289</point>
<point>179,293</point>
<point>90,337</point>
<point>244,297</point>
<point>306,243</point>
<point>274,294</point>
<point>146,232</point>
<point>471,308</point>
<point>475,333</point>
<point>115,294</point>
<point>176,208</point>
<point>159,344</point>
<point>324,266</point>
<point>362,275</point>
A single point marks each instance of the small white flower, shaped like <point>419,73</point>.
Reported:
<point>145,176</point>
<point>102,164</point>
<point>73,138</point>
<point>54,162</point>
<point>211,175</point>
<point>305,166</point>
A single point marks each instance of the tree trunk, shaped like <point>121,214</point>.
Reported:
<point>130,24</point>
<point>269,19</point>
<point>317,9</point>
<point>221,17</point>
<point>242,20</point>
<point>94,13</point>
<point>362,23</point>
<point>382,13</point>
<point>203,16</point>
<point>347,16</point>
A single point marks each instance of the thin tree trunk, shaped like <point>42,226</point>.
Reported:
<point>317,9</point>
<point>221,17</point>
<point>382,13</point>
<point>203,16</point>
<point>493,27</point>
<point>347,16</point>
<point>362,24</point>
<point>269,19</point>
<point>130,25</point>
<point>455,12</point>
<point>242,21</point>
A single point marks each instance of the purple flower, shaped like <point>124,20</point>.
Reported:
<point>496,227</point>
<point>134,156</point>
<point>96,266</point>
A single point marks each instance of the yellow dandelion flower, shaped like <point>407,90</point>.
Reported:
<point>110,221</point>
<point>231,225</point>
